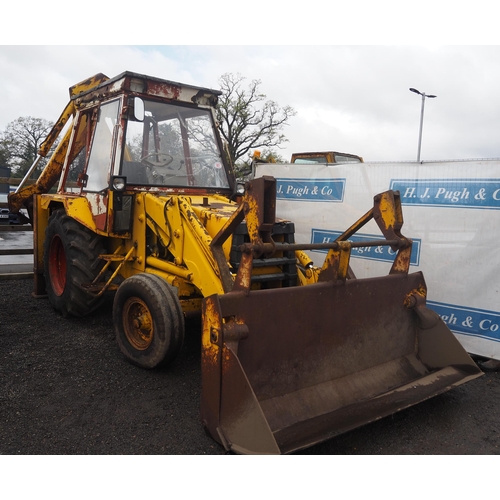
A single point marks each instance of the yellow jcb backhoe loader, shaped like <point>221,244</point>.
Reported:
<point>139,199</point>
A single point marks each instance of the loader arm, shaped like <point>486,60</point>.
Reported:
<point>187,241</point>
<point>23,196</point>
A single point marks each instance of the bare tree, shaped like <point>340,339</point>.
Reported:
<point>4,154</point>
<point>21,140</point>
<point>247,120</point>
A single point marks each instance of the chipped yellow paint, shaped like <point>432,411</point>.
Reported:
<point>177,225</point>
<point>387,210</point>
<point>337,259</point>
<point>79,209</point>
<point>252,216</point>
<point>211,330</point>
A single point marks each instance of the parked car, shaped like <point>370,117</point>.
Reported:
<point>14,218</point>
<point>4,216</point>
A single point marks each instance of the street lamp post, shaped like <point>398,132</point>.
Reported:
<point>424,95</point>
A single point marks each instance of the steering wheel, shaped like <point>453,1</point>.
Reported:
<point>157,164</point>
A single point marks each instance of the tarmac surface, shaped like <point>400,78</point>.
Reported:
<point>15,241</point>
<point>65,389</point>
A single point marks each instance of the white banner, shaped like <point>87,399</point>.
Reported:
<point>451,211</point>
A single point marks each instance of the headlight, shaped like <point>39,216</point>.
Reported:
<point>119,183</point>
<point>240,188</point>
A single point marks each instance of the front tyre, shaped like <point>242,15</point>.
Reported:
<point>148,320</point>
<point>71,260</point>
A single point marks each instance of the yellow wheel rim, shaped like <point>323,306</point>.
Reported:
<point>138,323</point>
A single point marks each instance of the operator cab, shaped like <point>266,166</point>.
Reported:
<point>153,134</point>
<point>172,146</point>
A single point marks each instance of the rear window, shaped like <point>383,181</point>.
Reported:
<point>346,159</point>
<point>308,161</point>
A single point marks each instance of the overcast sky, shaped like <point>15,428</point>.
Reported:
<point>350,98</point>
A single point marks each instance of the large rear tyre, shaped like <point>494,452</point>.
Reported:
<point>148,319</point>
<point>71,260</point>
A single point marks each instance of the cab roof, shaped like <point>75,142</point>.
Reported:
<point>144,85</point>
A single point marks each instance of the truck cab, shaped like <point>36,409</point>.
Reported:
<point>325,157</point>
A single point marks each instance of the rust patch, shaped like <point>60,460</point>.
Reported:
<point>100,221</point>
<point>163,89</point>
<point>243,279</point>
<point>401,263</point>
<point>87,84</point>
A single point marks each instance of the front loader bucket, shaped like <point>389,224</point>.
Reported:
<point>284,369</point>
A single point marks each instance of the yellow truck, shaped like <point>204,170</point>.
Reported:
<point>139,200</point>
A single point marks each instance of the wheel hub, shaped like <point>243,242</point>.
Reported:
<point>138,323</point>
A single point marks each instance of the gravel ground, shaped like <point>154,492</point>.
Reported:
<point>66,390</point>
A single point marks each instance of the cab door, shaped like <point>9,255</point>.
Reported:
<point>104,154</point>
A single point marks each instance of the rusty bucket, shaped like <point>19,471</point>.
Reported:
<point>284,369</point>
